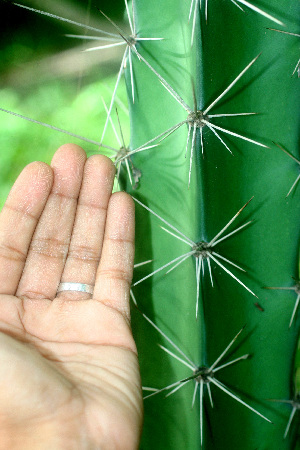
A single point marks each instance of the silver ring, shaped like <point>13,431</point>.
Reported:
<point>79,287</point>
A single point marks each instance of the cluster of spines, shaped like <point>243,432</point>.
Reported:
<point>196,120</point>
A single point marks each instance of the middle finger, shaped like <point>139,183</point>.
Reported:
<point>50,242</point>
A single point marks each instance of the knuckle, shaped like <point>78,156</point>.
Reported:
<point>51,247</point>
<point>84,253</point>
<point>12,253</point>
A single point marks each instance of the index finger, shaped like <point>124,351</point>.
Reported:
<point>18,220</point>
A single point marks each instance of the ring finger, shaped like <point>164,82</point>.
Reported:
<point>87,238</point>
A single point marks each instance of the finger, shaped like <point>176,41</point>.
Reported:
<point>18,220</point>
<point>114,274</point>
<point>50,242</point>
<point>87,238</point>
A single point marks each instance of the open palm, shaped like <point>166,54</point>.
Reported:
<point>69,374</point>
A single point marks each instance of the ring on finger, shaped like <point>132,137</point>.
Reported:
<point>78,287</point>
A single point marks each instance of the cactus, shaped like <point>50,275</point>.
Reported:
<point>205,112</point>
<point>219,185</point>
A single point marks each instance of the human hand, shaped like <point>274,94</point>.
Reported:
<point>69,374</point>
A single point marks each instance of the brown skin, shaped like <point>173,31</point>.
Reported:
<point>69,373</point>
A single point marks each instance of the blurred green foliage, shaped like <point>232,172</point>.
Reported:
<point>71,101</point>
<point>22,142</point>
